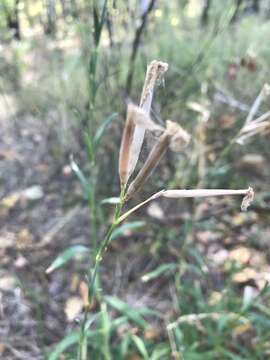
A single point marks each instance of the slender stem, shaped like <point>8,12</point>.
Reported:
<point>104,244</point>
<point>82,351</point>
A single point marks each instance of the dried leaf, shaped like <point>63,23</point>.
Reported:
<point>7,282</point>
<point>24,239</point>
<point>244,276</point>
<point>241,329</point>
<point>151,333</point>
<point>7,240</point>
<point>84,292</point>
<point>241,254</point>
<point>33,193</point>
<point>73,307</point>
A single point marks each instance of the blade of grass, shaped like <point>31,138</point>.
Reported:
<point>66,256</point>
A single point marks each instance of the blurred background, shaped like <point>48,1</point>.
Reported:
<point>183,279</point>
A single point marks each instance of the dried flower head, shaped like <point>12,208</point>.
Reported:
<point>253,126</point>
<point>247,199</point>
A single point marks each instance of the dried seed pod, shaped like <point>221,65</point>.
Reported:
<point>135,115</point>
<point>151,162</point>
<point>125,145</point>
<point>153,73</point>
<point>173,134</point>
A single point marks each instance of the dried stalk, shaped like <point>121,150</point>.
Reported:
<point>262,95</point>
<point>197,193</point>
<point>203,193</point>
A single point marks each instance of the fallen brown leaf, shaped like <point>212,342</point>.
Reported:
<point>241,254</point>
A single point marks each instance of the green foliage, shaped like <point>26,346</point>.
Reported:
<point>66,256</point>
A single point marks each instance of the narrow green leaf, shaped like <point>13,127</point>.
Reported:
<point>111,200</point>
<point>158,271</point>
<point>96,24</point>
<point>140,346</point>
<point>99,21</point>
<point>86,188</point>
<point>89,147</point>
<point>66,256</point>
<point>160,352</point>
<point>128,226</point>
<point>69,340</point>
<point>125,345</point>
<point>102,128</point>
<point>125,309</point>
<point>91,319</point>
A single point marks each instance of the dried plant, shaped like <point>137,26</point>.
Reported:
<point>154,72</point>
<point>173,137</point>
<point>253,126</point>
<point>135,117</point>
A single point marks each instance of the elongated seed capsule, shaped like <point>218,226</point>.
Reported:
<point>154,71</point>
<point>124,155</point>
<point>172,130</point>
<point>153,159</point>
<point>135,116</point>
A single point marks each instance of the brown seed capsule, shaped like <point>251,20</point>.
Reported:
<point>172,130</point>
<point>135,116</point>
<point>154,71</point>
<point>127,137</point>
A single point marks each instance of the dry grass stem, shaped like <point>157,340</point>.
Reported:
<point>175,137</point>
<point>261,97</point>
<point>154,71</point>
<point>203,193</point>
<point>197,193</point>
<point>247,200</point>
<point>195,319</point>
<point>135,208</point>
<point>252,127</point>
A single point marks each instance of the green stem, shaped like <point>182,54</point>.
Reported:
<point>104,244</point>
<point>82,351</point>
